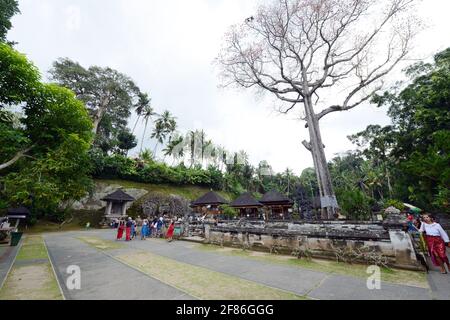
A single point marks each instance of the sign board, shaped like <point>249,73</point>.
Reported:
<point>329,202</point>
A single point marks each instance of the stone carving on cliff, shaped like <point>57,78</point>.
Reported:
<point>158,204</point>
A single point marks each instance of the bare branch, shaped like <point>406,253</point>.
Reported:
<point>19,155</point>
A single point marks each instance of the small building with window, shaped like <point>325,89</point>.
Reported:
<point>208,204</point>
<point>116,203</point>
<point>278,206</point>
<point>247,206</point>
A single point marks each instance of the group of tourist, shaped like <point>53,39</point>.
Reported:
<point>144,228</point>
<point>435,237</point>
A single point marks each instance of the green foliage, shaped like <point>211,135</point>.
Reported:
<point>122,167</point>
<point>109,97</point>
<point>19,78</point>
<point>53,137</point>
<point>354,204</point>
<point>8,8</point>
<point>414,151</point>
<point>125,141</point>
<point>229,211</point>
<point>394,203</point>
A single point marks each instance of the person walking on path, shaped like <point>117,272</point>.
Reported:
<point>170,231</point>
<point>159,226</point>
<point>144,230</point>
<point>437,239</point>
<point>133,230</point>
<point>128,229</point>
<point>120,230</point>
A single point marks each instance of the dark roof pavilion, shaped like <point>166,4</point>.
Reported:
<point>211,198</point>
<point>119,196</point>
<point>246,201</point>
<point>274,197</point>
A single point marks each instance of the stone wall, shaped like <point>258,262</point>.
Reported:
<point>92,202</point>
<point>155,203</point>
<point>365,243</point>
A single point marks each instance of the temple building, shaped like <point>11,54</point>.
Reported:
<point>116,203</point>
<point>248,206</point>
<point>209,203</point>
<point>278,206</point>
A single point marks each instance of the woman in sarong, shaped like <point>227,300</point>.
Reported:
<point>437,240</point>
<point>120,230</point>
<point>170,231</point>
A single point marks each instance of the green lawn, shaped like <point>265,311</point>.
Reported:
<point>30,279</point>
<point>203,283</point>
<point>101,244</point>
<point>405,277</point>
<point>33,248</point>
<point>196,281</point>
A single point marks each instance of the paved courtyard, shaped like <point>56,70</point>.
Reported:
<point>157,270</point>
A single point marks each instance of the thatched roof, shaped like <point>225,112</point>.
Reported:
<point>274,197</point>
<point>119,195</point>
<point>246,200</point>
<point>211,198</point>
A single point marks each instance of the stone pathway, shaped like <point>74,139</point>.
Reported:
<point>7,255</point>
<point>103,278</point>
<point>106,278</point>
<point>31,276</point>
<point>439,283</point>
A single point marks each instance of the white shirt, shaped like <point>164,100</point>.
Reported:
<point>434,229</point>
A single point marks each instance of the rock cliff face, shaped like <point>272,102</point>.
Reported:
<point>154,204</point>
<point>92,202</point>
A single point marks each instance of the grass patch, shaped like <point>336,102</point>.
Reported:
<point>31,280</point>
<point>32,248</point>
<point>48,227</point>
<point>203,283</point>
<point>101,244</point>
<point>397,276</point>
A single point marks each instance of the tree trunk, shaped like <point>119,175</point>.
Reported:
<point>328,198</point>
<point>389,183</point>
<point>99,114</point>
<point>135,125</point>
<point>154,150</point>
<point>143,135</point>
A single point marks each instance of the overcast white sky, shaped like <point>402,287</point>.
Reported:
<point>167,47</point>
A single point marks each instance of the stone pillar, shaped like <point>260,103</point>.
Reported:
<point>207,227</point>
<point>404,250</point>
<point>108,208</point>
<point>124,209</point>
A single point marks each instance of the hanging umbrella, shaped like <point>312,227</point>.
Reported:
<point>412,208</point>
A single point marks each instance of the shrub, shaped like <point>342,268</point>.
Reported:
<point>355,204</point>
<point>394,203</point>
<point>228,211</point>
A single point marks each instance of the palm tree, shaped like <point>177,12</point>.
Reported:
<point>191,142</point>
<point>147,113</point>
<point>174,148</point>
<point>140,106</point>
<point>165,127</point>
<point>146,156</point>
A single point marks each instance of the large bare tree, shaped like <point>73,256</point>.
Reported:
<point>323,55</point>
